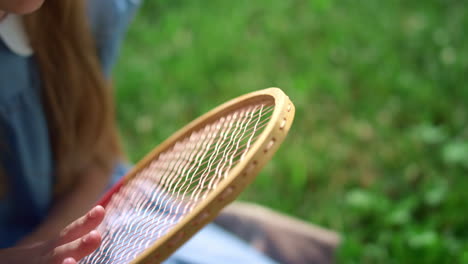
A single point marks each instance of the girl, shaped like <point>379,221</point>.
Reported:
<point>59,148</point>
<point>58,141</point>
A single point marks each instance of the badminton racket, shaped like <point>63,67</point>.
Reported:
<point>184,182</point>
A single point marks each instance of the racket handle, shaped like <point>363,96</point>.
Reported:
<point>108,195</point>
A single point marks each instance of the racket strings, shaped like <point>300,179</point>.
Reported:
<point>261,125</point>
<point>162,193</point>
<point>191,161</point>
<point>220,164</point>
<point>130,229</point>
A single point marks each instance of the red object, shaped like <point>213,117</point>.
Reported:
<point>106,198</point>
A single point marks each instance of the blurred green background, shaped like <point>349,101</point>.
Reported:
<point>379,147</point>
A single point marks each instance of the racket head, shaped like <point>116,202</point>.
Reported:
<point>239,176</point>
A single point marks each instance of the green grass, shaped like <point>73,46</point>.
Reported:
<point>379,147</point>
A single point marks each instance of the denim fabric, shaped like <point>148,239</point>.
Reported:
<point>25,150</point>
<point>213,245</point>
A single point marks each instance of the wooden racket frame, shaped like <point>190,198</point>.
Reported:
<point>239,177</point>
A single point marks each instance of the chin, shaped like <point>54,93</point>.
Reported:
<point>20,6</point>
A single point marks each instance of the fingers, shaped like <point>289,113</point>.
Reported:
<point>81,226</point>
<point>77,240</point>
<point>71,252</point>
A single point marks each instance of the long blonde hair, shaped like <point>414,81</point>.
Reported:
<point>76,96</point>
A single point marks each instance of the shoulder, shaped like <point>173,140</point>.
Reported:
<point>103,11</point>
<point>109,20</point>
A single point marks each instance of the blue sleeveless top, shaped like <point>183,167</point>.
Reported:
<point>25,154</point>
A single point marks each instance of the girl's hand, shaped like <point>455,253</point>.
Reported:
<point>74,242</point>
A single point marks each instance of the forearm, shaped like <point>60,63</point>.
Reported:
<point>72,205</point>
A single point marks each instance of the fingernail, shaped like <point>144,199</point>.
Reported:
<point>86,238</point>
<point>69,261</point>
<point>93,213</point>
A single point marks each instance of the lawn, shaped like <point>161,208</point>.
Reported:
<point>379,147</point>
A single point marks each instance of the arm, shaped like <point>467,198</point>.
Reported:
<point>71,206</point>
